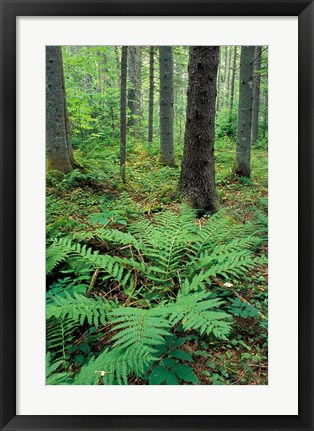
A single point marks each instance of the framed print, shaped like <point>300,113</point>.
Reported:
<point>145,147</point>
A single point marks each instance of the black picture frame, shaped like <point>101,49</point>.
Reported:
<point>304,9</point>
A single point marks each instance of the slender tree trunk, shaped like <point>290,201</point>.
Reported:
<point>228,78</point>
<point>242,165</point>
<point>123,112</point>
<point>59,148</point>
<point>135,85</point>
<point>256,92</point>
<point>166,105</point>
<point>218,84</point>
<point>197,179</point>
<point>234,67</point>
<point>265,123</point>
<point>224,80</point>
<point>151,95</point>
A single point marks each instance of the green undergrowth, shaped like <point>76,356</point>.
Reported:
<point>139,291</point>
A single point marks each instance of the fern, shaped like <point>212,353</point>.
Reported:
<point>171,259</point>
<point>139,328</point>
<point>55,255</point>
<point>232,259</point>
<point>87,259</point>
<point>196,311</point>
<point>53,377</point>
<point>117,237</point>
<point>115,365</point>
<point>59,335</point>
<point>78,308</point>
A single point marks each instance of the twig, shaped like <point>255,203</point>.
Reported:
<point>92,282</point>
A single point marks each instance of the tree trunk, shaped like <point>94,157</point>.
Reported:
<point>218,84</point>
<point>59,149</point>
<point>242,165</point>
<point>256,92</point>
<point>166,105</point>
<point>135,85</point>
<point>197,179</point>
<point>265,123</point>
<point>234,67</point>
<point>123,112</point>
<point>151,95</point>
<point>228,79</point>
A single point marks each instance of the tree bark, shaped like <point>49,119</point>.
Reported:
<point>218,84</point>
<point>265,122</point>
<point>59,148</point>
<point>233,75</point>
<point>197,179</point>
<point>228,79</point>
<point>242,165</point>
<point>224,79</point>
<point>256,92</point>
<point>166,105</point>
<point>151,95</point>
<point>135,85</point>
<point>123,112</point>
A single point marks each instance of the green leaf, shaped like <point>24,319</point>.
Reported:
<point>168,362</point>
<point>184,372</point>
<point>171,379</point>
<point>158,375</point>
<point>181,354</point>
<point>80,359</point>
<point>84,347</point>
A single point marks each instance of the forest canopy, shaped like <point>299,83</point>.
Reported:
<point>156,215</point>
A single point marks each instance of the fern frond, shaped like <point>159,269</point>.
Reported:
<point>233,264</point>
<point>115,365</point>
<point>55,254</point>
<point>117,237</point>
<point>112,267</point>
<point>78,308</point>
<point>139,328</point>
<point>196,311</point>
<point>53,377</point>
<point>59,335</point>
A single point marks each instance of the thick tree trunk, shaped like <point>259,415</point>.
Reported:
<point>123,112</point>
<point>256,92</point>
<point>135,85</point>
<point>197,179</point>
<point>151,95</point>
<point>59,149</point>
<point>166,105</point>
<point>242,165</point>
<point>233,75</point>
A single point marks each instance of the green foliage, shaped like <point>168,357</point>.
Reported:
<point>242,309</point>
<point>138,289</point>
<point>141,329</point>
<point>114,367</point>
<point>197,312</point>
<point>170,372</point>
<point>226,125</point>
<point>59,335</point>
<point>53,377</point>
<point>78,308</point>
<point>176,259</point>
<point>84,259</point>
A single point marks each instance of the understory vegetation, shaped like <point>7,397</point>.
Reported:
<point>141,291</point>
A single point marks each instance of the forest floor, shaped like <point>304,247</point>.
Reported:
<point>94,196</point>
